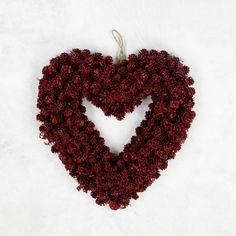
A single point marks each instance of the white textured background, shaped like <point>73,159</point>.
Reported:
<point>196,195</point>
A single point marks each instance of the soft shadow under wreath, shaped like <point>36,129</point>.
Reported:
<point>116,88</point>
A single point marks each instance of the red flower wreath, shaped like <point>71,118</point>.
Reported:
<point>116,89</point>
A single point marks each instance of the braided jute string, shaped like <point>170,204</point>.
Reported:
<point>120,42</point>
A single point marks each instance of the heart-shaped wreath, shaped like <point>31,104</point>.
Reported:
<point>117,89</point>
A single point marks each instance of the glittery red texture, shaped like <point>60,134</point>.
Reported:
<point>114,179</point>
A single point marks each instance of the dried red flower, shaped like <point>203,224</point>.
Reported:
<point>116,89</point>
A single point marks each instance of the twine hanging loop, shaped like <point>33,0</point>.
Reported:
<point>120,42</point>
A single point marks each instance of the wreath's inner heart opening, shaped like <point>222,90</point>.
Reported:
<point>116,133</point>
